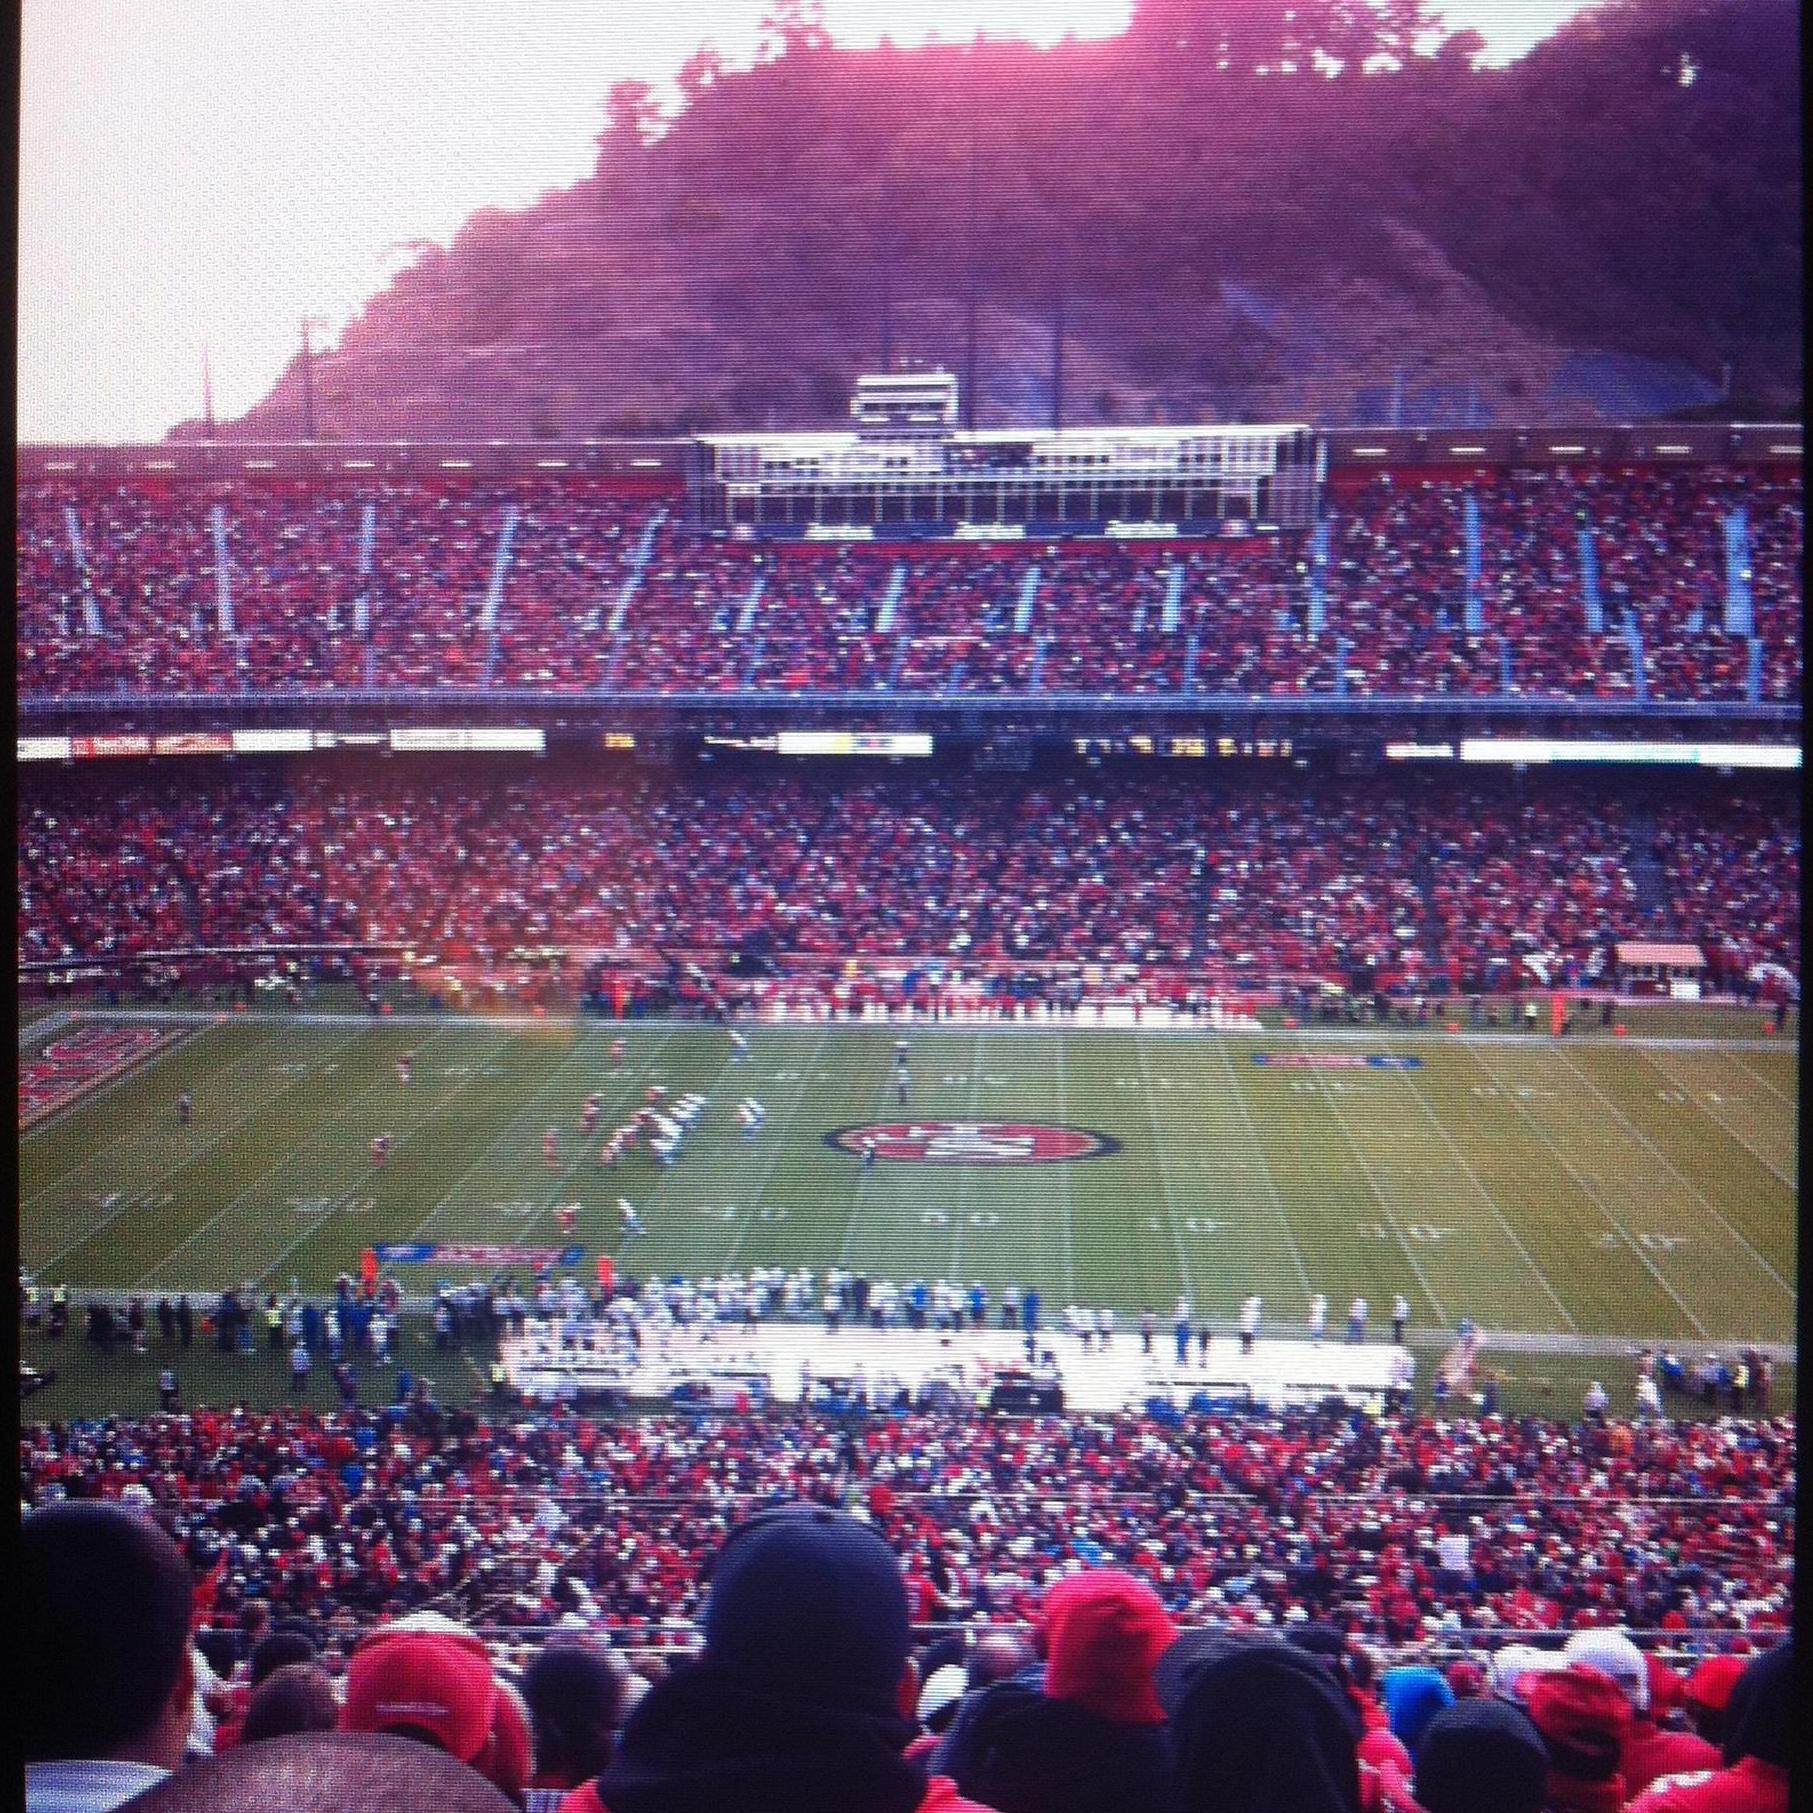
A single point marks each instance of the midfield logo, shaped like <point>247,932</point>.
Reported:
<point>973,1142</point>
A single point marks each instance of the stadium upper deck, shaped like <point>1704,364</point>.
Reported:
<point>1627,577</point>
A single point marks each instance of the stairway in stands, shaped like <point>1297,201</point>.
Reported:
<point>1647,878</point>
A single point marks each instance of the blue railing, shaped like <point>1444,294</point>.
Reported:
<point>1589,583</point>
<point>1740,606</point>
<point>1475,618</point>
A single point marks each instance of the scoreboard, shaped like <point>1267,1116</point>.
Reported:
<point>905,470</point>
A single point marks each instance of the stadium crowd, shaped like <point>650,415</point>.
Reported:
<point>1242,1613</point>
<point>394,584</point>
<point>1446,888</point>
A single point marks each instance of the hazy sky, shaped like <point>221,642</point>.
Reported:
<point>205,172</point>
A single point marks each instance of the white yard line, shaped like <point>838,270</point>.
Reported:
<point>1587,1190</point>
<point>774,1158</point>
<point>1186,1277</point>
<point>1489,1200</point>
<point>164,1178</point>
<point>523,1113</point>
<point>1378,1195</point>
<point>191,1153</point>
<point>1265,1169</point>
<point>1781,1095</point>
<point>1698,1099</point>
<point>1693,1190</point>
<point>287,1156</point>
<point>1064,1172</point>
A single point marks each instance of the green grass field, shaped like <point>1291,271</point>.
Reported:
<point>1580,1191</point>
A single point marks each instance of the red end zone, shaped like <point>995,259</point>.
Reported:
<point>974,1142</point>
<point>75,1062</point>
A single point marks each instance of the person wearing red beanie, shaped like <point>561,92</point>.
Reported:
<point>1089,1733</point>
<point>1583,1718</point>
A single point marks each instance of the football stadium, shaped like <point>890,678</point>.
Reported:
<point>929,1088</point>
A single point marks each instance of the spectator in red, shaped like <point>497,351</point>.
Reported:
<point>1648,1750</point>
<point>1091,1733</point>
<point>1708,1693</point>
<point>427,1678</point>
<point>1758,1750</point>
<point>1584,1720</point>
<point>800,1700</point>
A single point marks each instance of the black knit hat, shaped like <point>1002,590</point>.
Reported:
<point>809,1604</point>
<point>1481,1756</point>
<point>1265,1728</point>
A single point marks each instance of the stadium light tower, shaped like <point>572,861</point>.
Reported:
<point>308,378</point>
<point>969,300</point>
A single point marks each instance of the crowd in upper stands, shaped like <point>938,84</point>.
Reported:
<point>560,585</point>
<point>1247,1613</point>
<point>1433,889</point>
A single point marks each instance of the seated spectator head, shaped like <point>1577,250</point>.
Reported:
<point>1103,1634</point>
<point>428,1683</point>
<point>105,1605</point>
<point>997,1656</point>
<point>1516,1668</point>
<point>326,1772</point>
<point>811,1603</point>
<point>1614,1654</point>
<point>1760,1716</point>
<point>1261,1727</point>
<point>1466,1680</point>
<point>798,1699</point>
<point>575,1695</point>
<point>297,1697</point>
<point>1413,1696</point>
<point>1708,1693</point>
<point>1584,1720</point>
<point>1481,1756</point>
<point>430,1679</point>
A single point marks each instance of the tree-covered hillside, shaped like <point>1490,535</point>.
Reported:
<point>1268,208</point>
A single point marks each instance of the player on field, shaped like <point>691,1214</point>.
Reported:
<point>900,1054</point>
<point>610,1154</point>
<point>868,1152</point>
<point>627,1218</point>
<point>185,1109</point>
<point>588,1115</point>
<point>567,1214</point>
<point>550,1147</point>
<point>405,1067</point>
<point>739,1046</point>
<point>1318,1317</point>
<point>902,1085</point>
<point>618,1049</point>
<point>380,1149</point>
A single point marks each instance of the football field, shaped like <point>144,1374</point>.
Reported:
<point>1573,1188</point>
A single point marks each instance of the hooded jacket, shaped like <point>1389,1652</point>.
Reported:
<point>706,1741</point>
<point>1265,1729</point>
<point>1018,1750</point>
